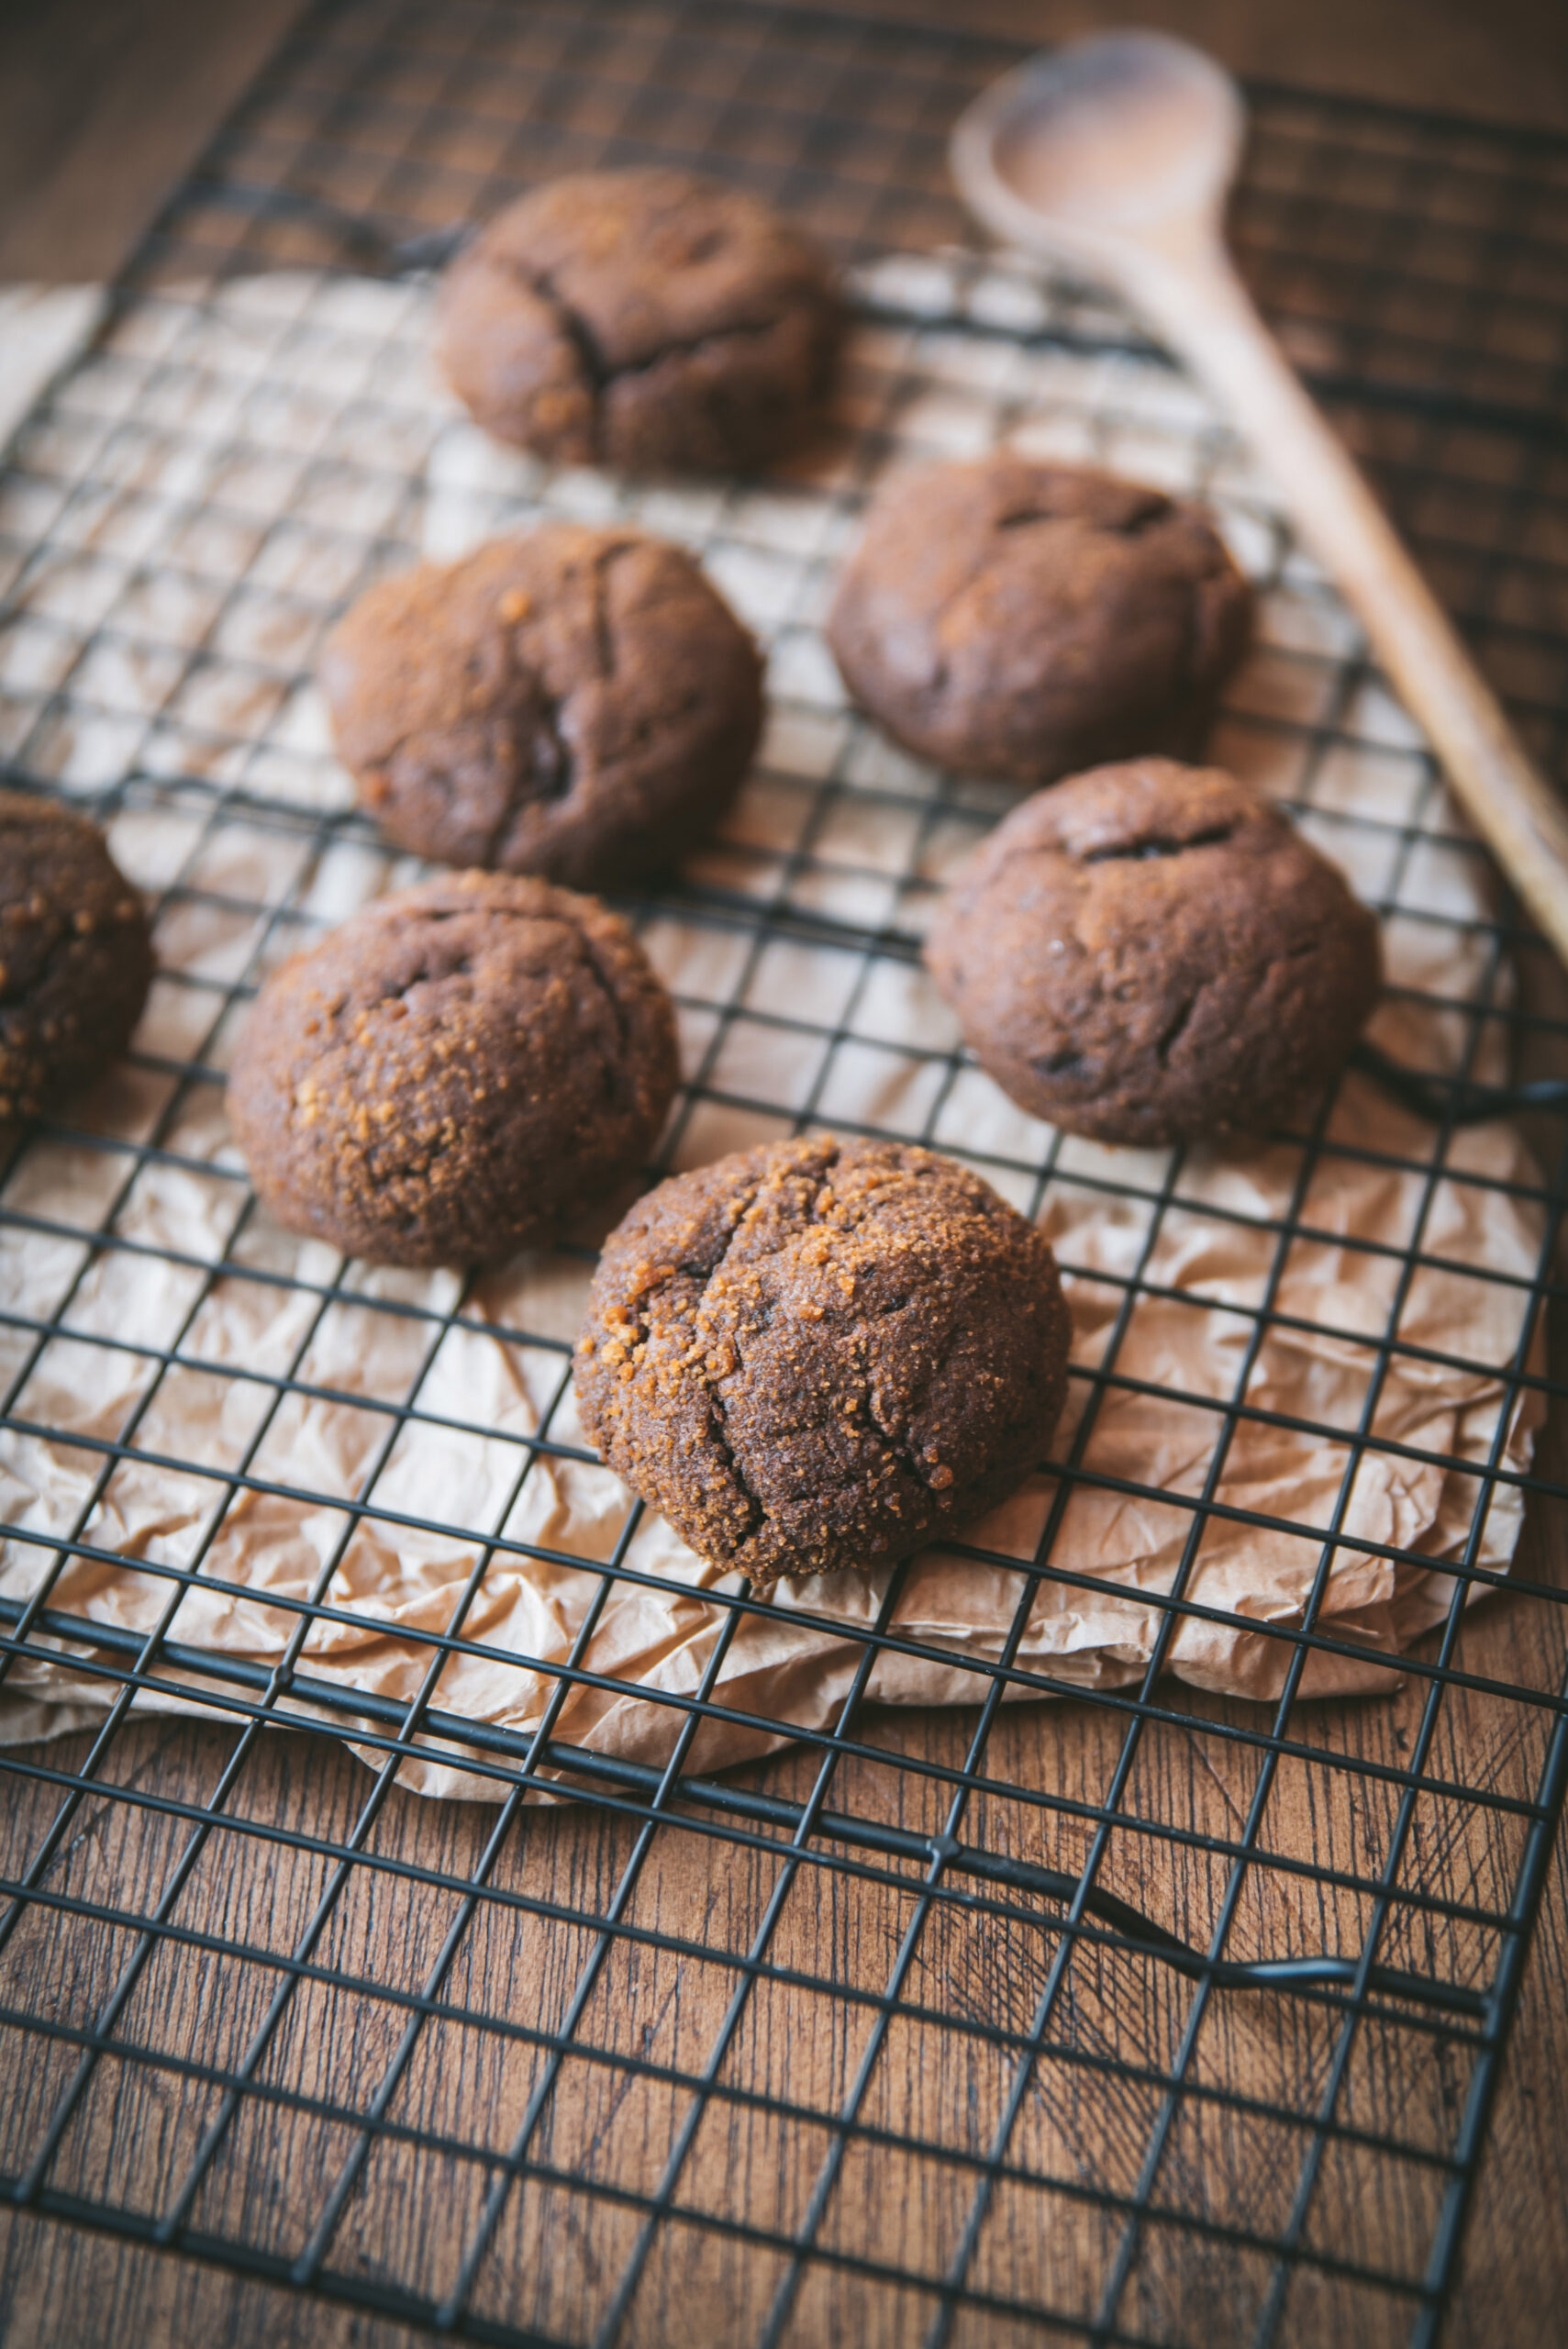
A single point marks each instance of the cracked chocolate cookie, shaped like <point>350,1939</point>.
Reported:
<point>575,703</point>
<point>75,954</point>
<point>1025,621</point>
<point>821,1354</point>
<point>1151,953</point>
<point>453,1071</point>
<point>648,319</point>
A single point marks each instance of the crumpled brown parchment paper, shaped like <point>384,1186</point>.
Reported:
<point>456,1460</point>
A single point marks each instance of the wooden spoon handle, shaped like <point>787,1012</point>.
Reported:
<point>1193,295</point>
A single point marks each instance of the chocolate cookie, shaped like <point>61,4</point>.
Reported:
<point>1151,953</point>
<point>75,954</point>
<point>820,1354</point>
<point>646,319</point>
<point>1025,620</point>
<point>453,1071</point>
<point>575,703</point>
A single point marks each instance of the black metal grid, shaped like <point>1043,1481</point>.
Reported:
<point>166,588</point>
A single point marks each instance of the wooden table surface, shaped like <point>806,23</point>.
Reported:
<point>99,110</point>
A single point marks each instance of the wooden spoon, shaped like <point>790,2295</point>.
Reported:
<point>1114,155</point>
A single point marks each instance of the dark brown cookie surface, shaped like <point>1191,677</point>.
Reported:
<point>649,320</point>
<point>820,1354</point>
<point>1151,953</point>
<point>75,954</point>
<point>575,703</point>
<point>453,1071</point>
<point>1025,621</point>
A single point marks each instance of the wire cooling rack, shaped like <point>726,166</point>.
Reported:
<point>1149,2016</point>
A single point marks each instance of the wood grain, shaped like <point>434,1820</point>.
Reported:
<point>103,107</point>
<point>75,198</point>
<point>102,104</point>
<point>940,2080</point>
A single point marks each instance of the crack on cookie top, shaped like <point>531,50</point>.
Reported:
<point>1154,844</point>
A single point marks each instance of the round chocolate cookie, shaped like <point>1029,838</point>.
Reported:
<point>649,320</point>
<point>455,1070</point>
<point>575,703</point>
<point>820,1354</point>
<point>75,954</point>
<point>1151,953</point>
<point>1024,620</point>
